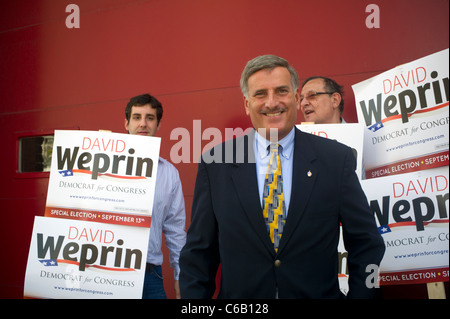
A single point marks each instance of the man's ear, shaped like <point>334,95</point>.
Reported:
<point>126,125</point>
<point>246,106</point>
<point>297,98</point>
<point>336,98</point>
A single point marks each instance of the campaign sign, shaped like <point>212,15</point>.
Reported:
<point>102,176</point>
<point>81,259</point>
<point>406,114</point>
<point>411,211</point>
<point>351,135</point>
<point>92,242</point>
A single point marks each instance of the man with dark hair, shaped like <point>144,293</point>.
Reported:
<point>142,100</point>
<point>321,100</point>
<point>143,115</point>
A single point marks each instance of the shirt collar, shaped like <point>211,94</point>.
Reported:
<point>286,142</point>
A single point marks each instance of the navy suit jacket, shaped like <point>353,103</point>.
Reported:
<point>227,226</point>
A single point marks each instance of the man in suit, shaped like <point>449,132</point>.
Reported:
<point>284,247</point>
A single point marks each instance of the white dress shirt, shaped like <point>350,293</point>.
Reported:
<point>168,217</point>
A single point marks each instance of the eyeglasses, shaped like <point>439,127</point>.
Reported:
<point>313,95</point>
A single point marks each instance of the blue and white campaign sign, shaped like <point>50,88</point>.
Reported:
<point>406,114</point>
<point>81,259</point>
<point>103,177</point>
<point>411,211</point>
<point>92,241</point>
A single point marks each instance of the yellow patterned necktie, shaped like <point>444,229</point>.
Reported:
<point>274,210</point>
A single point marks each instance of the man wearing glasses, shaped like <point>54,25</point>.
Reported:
<point>321,101</point>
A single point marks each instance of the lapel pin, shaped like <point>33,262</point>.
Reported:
<point>309,174</point>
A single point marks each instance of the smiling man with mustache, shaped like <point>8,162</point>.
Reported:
<point>272,220</point>
<point>271,98</point>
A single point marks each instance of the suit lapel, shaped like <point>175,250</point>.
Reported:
<point>244,179</point>
<point>303,178</point>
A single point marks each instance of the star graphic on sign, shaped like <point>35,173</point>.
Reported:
<point>384,229</point>
<point>377,127</point>
<point>66,173</point>
<point>49,262</point>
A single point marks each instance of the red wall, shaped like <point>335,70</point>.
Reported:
<point>189,54</point>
